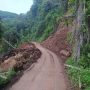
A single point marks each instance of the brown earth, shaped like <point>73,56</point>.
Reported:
<point>58,43</point>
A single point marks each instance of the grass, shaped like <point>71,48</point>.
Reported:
<point>83,73</point>
<point>6,76</point>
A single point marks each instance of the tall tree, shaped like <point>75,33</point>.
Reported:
<point>1,31</point>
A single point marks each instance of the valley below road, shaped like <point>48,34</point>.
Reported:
<point>46,74</point>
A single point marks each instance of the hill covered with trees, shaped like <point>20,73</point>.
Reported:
<point>37,24</point>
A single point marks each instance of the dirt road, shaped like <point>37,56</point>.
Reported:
<point>46,74</point>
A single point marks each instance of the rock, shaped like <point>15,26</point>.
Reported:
<point>65,53</point>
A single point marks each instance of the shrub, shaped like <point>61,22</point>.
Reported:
<point>6,76</point>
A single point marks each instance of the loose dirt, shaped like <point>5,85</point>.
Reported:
<point>58,43</point>
<point>20,58</point>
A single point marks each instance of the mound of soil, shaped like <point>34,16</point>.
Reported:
<point>58,42</point>
<point>24,56</point>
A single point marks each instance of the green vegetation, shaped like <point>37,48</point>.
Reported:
<point>80,73</point>
<point>70,38</point>
<point>44,17</point>
<point>37,24</point>
<point>6,76</point>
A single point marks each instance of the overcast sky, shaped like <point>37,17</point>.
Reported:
<point>16,6</point>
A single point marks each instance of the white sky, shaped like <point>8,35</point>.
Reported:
<point>16,6</point>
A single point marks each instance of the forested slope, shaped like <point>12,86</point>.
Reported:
<point>37,24</point>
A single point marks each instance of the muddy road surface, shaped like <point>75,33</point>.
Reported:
<point>46,74</point>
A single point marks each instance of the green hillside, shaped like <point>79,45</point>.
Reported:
<point>37,24</point>
<point>44,17</point>
<point>7,15</point>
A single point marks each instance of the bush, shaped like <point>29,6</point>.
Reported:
<point>74,74</point>
<point>6,76</point>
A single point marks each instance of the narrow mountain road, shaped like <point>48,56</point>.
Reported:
<point>46,74</point>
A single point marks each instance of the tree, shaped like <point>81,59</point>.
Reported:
<point>1,31</point>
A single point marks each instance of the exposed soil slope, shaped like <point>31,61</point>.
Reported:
<point>46,74</point>
<point>58,42</point>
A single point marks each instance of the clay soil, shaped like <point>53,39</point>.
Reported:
<point>58,42</point>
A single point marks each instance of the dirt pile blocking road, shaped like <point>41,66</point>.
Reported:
<point>58,43</point>
<point>21,58</point>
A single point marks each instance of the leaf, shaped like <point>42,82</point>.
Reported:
<point>89,55</point>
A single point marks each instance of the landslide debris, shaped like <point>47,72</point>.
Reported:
<point>20,58</point>
<point>58,43</point>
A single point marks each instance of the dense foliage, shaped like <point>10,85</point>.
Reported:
<point>37,24</point>
<point>43,18</point>
<point>6,77</point>
<point>80,73</point>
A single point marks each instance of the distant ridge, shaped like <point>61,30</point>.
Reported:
<point>6,14</point>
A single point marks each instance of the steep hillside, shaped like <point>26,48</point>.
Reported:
<point>9,19</point>
<point>44,17</point>
<point>37,24</point>
<point>10,26</point>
